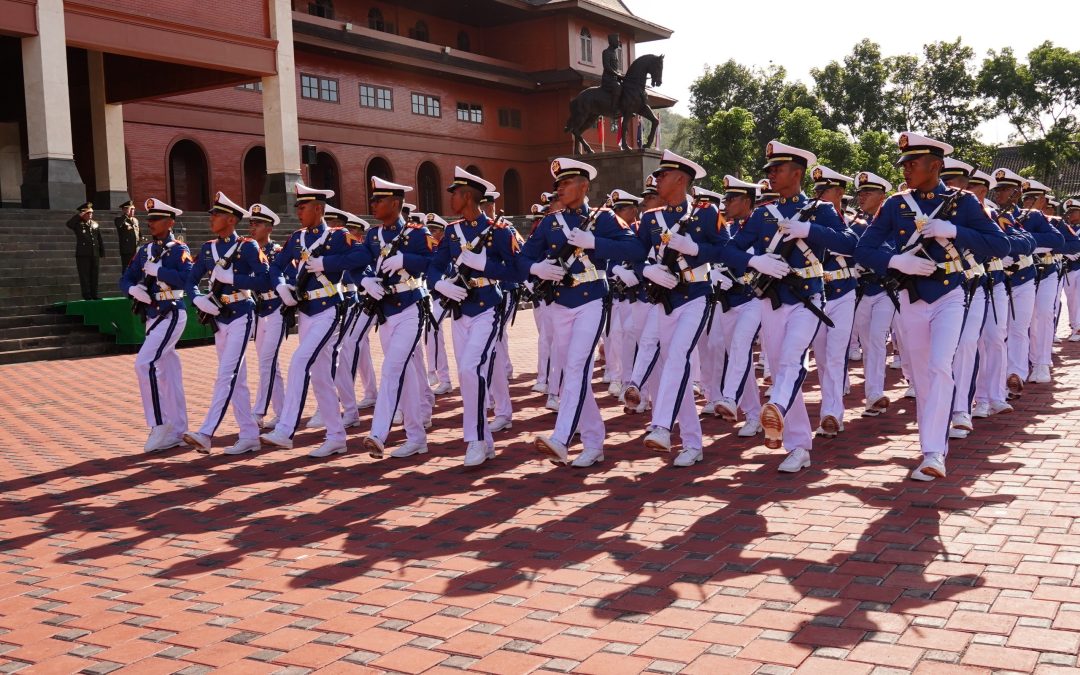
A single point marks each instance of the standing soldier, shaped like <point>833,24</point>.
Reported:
<point>237,268</point>
<point>89,250</point>
<point>127,232</point>
<point>270,325</point>
<point>155,278</point>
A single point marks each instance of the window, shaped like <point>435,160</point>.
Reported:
<point>318,88</point>
<point>251,86</point>
<point>375,19</point>
<point>586,45</point>
<point>463,42</point>
<point>323,8</point>
<point>376,97</point>
<point>422,104</point>
<point>510,117</point>
<point>420,32</point>
<point>470,112</point>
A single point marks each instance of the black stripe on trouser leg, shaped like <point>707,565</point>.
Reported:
<point>345,325</point>
<point>686,369</point>
<point>405,368</point>
<point>975,369</point>
<point>307,370</point>
<point>952,397</point>
<point>649,368</point>
<point>155,396</point>
<point>749,365</point>
<point>273,369</point>
<point>235,372</point>
<point>481,381</point>
<point>356,349</point>
<point>802,369</point>
<point>586,375</point>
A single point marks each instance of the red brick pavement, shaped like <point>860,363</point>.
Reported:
<point>111,559</point>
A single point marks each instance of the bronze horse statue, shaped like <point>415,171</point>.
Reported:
<point>594,102</point>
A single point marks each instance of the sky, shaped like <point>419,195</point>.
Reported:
<point>798,36</point>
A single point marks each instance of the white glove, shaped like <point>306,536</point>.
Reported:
<point>285,292</point>
<point>393,264</point>
<point>548,270</point>
<point>373,288</point>
<point>794,229</point>
<point>724,281</point>
<point>582,239</point>
<point>683,244</point>
<point>1007,261</point>
<point>770,264</point>
<point>451,291</point>
<point>221,274</point>
<point>626,276</point>
<point>140,294</point>
<point>939,228</point>
<point>316,264</point>
<point>207,305</point>
<point>150,268</point>
<point>477,261</point>
<point>909,263</point>
<point>529,285</point>
<point>1043,249</point>
<point>659,275</point>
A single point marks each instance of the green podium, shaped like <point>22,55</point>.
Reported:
<point>112,316</point>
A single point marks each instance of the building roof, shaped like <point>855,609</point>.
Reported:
<point>1065,183</point>
<point>614,10</point>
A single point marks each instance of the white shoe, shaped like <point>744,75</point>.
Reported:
<point>1000,407</point>
<point>398,418</point>
<point>157,434</point>
<point>168,441</point>
<point>427,422</point>
<point>980,409</point>
<point>606,378</point>
<point>269,424</point>
<point>316,421</point>
<point>201,442</point>
<point>962,420</point>
<point>243,445</point>
<point>750,428</point>
<point>409,449</point>
<point>659,439</point>
<point>432,379</point>
<point>1075,337</point>
<point>726,410</point>
<point>910,391</point>
<point>476,454</point>
<point>277,440</point>
<point>1040,374</point>
<point>552,402</point>
<point>854,354</point>
<point>540,388</point>
<point>365,403</point>
<point>556,451</point>
<point>879,406</point>
<point>689,457</point>
<point>614,389</point>
<point>443,388</point>
<point>373,446</point>
<point>894,362</point>
<point>500,424</point>
<point>932,466</point>
<point>796,460</point>
<point>258,420</point>
<point>350,421</point>
<point>588,458</point>
<point>957,432</point>
<point>329,448</point>
<point>768,392</point>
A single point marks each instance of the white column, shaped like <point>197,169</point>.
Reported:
<point>107,122</point>
<point>280,125</point>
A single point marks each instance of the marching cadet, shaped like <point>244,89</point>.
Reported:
<point>628,307</point>
<point>438,375</point>
<point>708,358</point>
<point>831,342</point>
<point>127,232</point>
<point>237,267</point>
<point>321,255</point>
<point>89,249</point>
<point>929,226</point>
<point>500,369</point>
<point>402,252</point>
<point>789,237</point>
<point>155,278</point>
<point>578,311</point>
<point>740,324</point>
<point>874,310</point>
<point>270,328</point>
<point>479,253</point>
<point>1071,222</point>
<point>1050,242</point>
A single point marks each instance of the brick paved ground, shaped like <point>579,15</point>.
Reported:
<point>111,559</point>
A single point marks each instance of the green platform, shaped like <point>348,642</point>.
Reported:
<point>112,316</point>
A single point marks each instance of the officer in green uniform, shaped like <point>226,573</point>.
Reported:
<point>89,249</point>
<point>127,232</point>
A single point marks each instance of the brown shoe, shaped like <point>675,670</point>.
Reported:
<point>772,421</point>
<point>878,407</point>
<point>1015,385</point>
<point>631,398</point>
<point>373,446</point>
<point>830,427</point>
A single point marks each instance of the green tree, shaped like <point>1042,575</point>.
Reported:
<point>677,132</point>
<point>852,92</point>
<point>728,146</point>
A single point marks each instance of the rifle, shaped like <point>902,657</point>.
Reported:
<point>139,308</point>
<point>288,312</point>
<point>216,288</point>
<point>462,275</point>
<point>546,289</point>
<point>370,305</point>
<point>867,277</point>
<point>896,281</point>
<point>657,294</point>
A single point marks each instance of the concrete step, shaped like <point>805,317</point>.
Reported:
<point>48,318</point>
<point>71,339</point>
<point>38,331</point>
<point>64,352</point>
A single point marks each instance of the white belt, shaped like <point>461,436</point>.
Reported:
<point>324,292</point>
<point>838,275</point>
<point>976,271</point>
<point>1024,261</point>
<point>239,296</point>
<point>404,287</point>
<point>699,273</point>
<point>169,295</point>
<point>995,265</point>
<point>810,272</point>
<point>951,266</point>
<point>1046,259</point>
<point>589,275</point>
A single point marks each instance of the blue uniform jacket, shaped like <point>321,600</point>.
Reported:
<point>871,284</point>
<point>251,272</point>
<point>416,254</point>
<point>895,223</point>
<point>501,250</point>
<point>270,305</point>
<point>175,259</point>
<point>738,294</point>
<point>831,263</point>
<point>1020,243</point>
<point>827,231</point>
<point>343,252</point>
<point>1046,235</point>
<point>615,241</point>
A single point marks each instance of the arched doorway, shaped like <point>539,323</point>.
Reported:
<point>511,193</point>
<point>324,175</point>
<point>429,192</point>
<point>189,180</point>
<point>254,174</point>
<point>377,167</point>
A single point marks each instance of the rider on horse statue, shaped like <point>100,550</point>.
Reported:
<point>611,80</point>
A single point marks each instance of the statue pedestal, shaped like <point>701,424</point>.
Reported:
<point>622,170</point>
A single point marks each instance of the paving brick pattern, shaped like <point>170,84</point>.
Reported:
<point>116,560</point>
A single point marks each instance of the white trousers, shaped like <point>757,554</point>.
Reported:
<point>993,353</point>
<point>615,361</point>
<point>157,368</point>
<point>352,358</point>
<point>1071,286</point>
<point>710,351</point>
<point>739,327</point>
<point>931,332</point>
<point>679,333</point>
<point>474,346</point>
<point>231,385</point>
<point>873,317</point>
<point>312,363</point>
<point>575,333</point>
<point>399,338</point>
<point>631,336</point>
<point>786,335</point>
<point>269,334</point>
<point>435,346</point>
<point>1043,322</point>
<point>499,368</point>
<point>648,359</point>
<point>830,354</point>
<point>966,360</point>
<point>1020,316</point>
<point>543,343</point>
